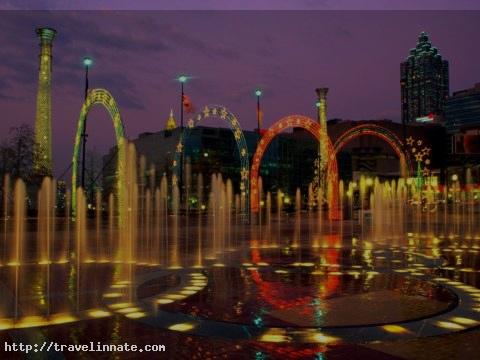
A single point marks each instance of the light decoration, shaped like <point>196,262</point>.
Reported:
<point>102,97</point>
<point>322,165</point>
<point>314,128</point>
<point>380,132</point>
<point>221,112</point>
<point>421,155</point>
<point>181,327</point>
<point>43,118</point>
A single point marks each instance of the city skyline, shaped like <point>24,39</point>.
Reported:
<point>360,65</point>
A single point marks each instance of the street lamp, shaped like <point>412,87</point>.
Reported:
<point>182,79</point>
<point>258,93</point>
<point>87,63</point>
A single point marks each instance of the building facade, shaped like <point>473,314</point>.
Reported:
<point>289,161</point>
<point>462,113</point>
<point>462,110</point>
<point>424,82</point>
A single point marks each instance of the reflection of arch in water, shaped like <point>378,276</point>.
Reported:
<point>220,112</point>
<point>272,292</point>
<point>102,97</point>
<point>381,133</point>
<point>313,127</point>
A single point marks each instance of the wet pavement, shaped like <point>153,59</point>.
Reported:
<point>415,297</point>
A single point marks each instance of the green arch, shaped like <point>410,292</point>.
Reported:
<point>102,97</point>
<point>220,112</point>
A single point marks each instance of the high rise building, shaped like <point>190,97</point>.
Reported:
<point>463,109</point>
<point>424,82</point>
<point>462,112</point>
<point>43,120</point>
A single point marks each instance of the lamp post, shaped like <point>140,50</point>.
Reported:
<point>182,79</point>
<point>258,93</point>
<point>87,62</point>
<point>317,105</point>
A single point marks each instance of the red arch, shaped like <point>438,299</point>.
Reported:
<point>382,133</point>
<point>313,127</point>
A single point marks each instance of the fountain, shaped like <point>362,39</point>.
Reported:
<point>136,252</point>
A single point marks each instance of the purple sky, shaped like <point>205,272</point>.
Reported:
<point>138,54</point>
<point>241,4</point>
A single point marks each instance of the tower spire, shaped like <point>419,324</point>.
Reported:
<point>43,120</point>
<point>171,124</point>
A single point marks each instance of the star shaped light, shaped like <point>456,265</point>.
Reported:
<point>244,173</point>
<point>223,113</point>
<point>206,111</point>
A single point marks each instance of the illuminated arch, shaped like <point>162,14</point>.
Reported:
<point>314,128</point>
<point>102,97</point>
<point>380,132</point>
<point>221,112</point>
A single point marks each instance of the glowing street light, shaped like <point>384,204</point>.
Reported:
<point>258,94</point>
<point>454,177</point>
<point>87,63</point>
<point>182,79</point>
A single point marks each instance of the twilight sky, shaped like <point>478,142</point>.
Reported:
<point>138,55</point>
<point>240,4</point>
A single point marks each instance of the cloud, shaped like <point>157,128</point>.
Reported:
<point>123,89</point>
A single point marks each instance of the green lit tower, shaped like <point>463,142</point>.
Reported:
<point>322,119</point>
<point>43,119</point>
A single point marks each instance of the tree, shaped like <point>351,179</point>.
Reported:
<point>17,153</point>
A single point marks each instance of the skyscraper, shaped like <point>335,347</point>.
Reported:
<point>43,126</point>
<point>423,81</point>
